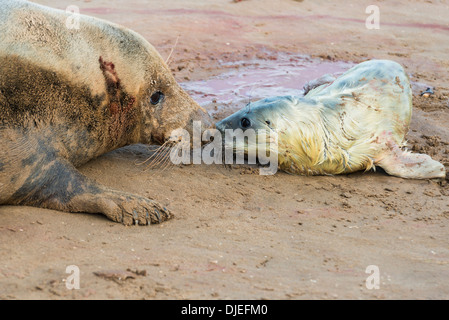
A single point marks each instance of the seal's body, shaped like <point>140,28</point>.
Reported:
<point>70,95</point>
<point>353,123</point>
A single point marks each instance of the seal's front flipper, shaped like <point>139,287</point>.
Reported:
<point>61,187</point>
<point>121,207</point>
<point>409,165</point>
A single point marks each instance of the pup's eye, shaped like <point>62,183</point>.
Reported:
<point>268,122</point>
<point>245,123</point>
<point>156,97</point>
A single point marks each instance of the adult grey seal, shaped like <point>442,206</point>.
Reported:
<point>70,95</point>
<point>356,122</point>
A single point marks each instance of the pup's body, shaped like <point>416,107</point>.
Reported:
<point>354,123</point>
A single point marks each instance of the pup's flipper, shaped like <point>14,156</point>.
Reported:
<point>406,164</point>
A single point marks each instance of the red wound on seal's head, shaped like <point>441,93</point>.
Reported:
<point>109,73</point>
<point>120,102</point>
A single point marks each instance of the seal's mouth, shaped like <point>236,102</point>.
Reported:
<point>220,127</point>
<point>159,140</point>
<point>223,125</point>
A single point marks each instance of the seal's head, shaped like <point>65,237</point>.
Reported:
<point>260,115</point>
<point>166,106</point>
<point>259,123</point>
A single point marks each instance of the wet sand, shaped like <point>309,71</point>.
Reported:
<point>239,235</point>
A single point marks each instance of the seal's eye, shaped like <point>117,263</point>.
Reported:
<point>156,97</point>
<point>245,123</point>
<point>268,122</point>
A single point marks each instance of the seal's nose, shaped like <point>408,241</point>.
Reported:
<point>206,119</point>
<point>158,137</point>
<point>227,123</point>
<point>220,126</point>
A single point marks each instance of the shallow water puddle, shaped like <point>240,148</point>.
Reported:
<point>283,74</point>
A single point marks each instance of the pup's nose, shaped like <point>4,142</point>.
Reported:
<point>220,126</point>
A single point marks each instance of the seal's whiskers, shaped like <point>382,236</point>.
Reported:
<point>159,155</point>
<point>167,163</point>
<point>161,158</point>
<point>171,52</point>
<point>154,153</point>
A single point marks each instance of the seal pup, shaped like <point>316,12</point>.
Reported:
<point>355,122</point>
<point>70,95</point>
